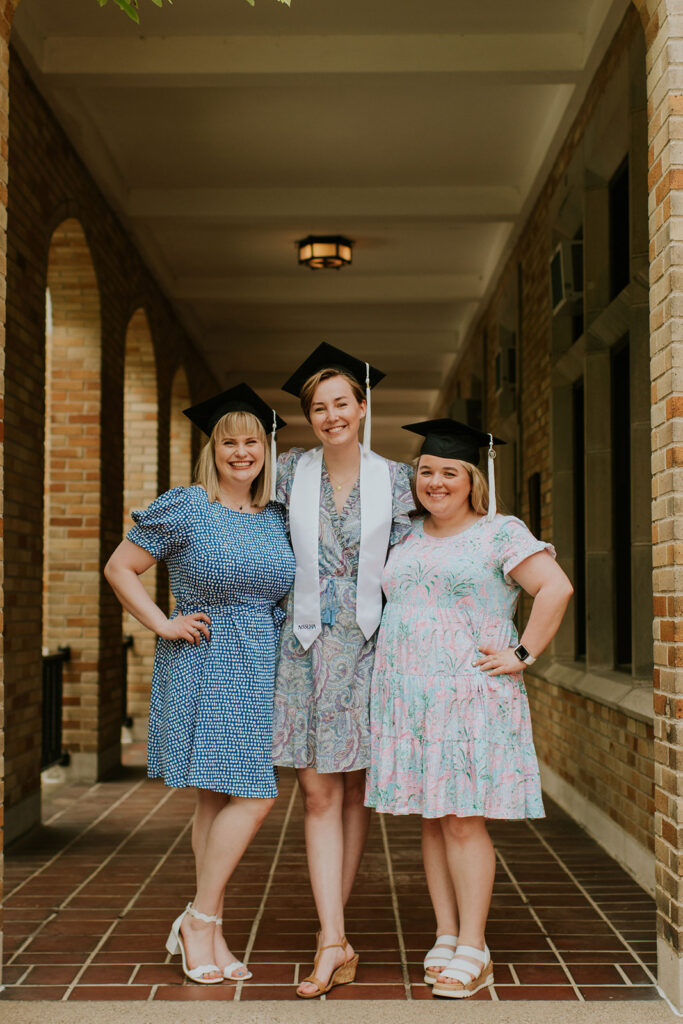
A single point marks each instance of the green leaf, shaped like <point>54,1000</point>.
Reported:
<point>131,9</point>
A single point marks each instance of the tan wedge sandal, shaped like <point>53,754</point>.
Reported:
<point>342,975</point>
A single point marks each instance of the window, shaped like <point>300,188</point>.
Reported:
<point>579,471</point>
<point>619,231</point>
<point>621,503</point>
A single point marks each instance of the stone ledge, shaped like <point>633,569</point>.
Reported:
<point>633,697</point>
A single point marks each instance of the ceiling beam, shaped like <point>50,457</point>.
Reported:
<point>500,203</point>
<point>176,62</point>
<point>330,286</point>
<point>269,384</point>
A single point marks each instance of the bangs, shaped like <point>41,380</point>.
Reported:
<point>238,424</point>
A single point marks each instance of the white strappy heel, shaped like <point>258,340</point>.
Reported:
<point>462,980</point>
<point>236,965</point>
<point>175,944</point>
<point>439,957</point>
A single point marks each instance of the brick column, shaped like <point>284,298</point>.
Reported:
<point>663,23</point>
<point>141,487</point>
<point>6,16</point>
<point>181,432</point>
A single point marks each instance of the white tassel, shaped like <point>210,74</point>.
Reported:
<point>366,432</point>
<point>492,482</point>
<point>273,458</point>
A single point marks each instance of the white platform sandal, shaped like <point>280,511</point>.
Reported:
<point>229,972</point>
<point>439,957</point>
<point>175,944</point>
<point>459,978</point>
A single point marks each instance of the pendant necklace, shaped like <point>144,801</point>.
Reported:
<point>338,487</point>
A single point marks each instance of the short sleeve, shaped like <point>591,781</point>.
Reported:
<point>162,528</point>
<point>286,468</point>
<point>515,542</point>
<point>402,501</point>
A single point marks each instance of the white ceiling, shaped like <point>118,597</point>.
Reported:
<point>421,129</point>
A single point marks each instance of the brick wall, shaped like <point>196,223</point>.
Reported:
<point>71,565</point>
<point>141,446</point>
<point>664,34</point>
<point>604,754</point>
<point>48,186</point>
<point>181,432</point>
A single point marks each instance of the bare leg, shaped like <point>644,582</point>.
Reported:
<point>323,802</point>
<point>441,891</point>
<point>472,864</point>
<point>224,842</point>
<point>355,825</point>
<point>207,807</point>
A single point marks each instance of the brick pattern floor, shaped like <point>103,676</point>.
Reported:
<point>90,898</point>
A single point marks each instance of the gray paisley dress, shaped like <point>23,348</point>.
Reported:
<point>322,694</point>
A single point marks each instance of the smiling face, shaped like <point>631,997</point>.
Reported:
<point>335,413</point>
<point>239,453</point>
<point>443,486</point>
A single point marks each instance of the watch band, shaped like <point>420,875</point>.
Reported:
<point>524,655</point>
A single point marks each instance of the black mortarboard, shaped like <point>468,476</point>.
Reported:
<point>241,398</point>
<point>328,357</point>
<point>449,439</point>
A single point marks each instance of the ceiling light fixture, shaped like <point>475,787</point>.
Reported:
<point>323,251</point>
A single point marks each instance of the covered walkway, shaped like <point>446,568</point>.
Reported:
<point>91,894</point>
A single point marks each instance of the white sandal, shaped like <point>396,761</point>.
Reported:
<point>175,944</point>
<point>236,965</point>
<point>462,980</point>
<point>439,956</point>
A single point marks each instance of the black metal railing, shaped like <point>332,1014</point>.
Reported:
<point>52,752</point>
<point>126,719</point>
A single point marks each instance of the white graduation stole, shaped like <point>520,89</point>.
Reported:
<point>375,531</point>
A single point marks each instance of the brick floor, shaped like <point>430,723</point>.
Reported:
<point>90,898</point>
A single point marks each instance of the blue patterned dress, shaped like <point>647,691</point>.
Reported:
<point>447,737</point>
<point>211,708</point>
<point>322,694</point>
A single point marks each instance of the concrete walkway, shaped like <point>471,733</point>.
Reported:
<point>358,1012</point>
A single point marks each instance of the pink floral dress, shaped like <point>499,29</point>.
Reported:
<point>447,738</point>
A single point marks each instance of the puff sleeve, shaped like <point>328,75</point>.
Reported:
<point>515,542</point>
<point>286,468</point>
<point>402,501</point>
<point>162,528</point>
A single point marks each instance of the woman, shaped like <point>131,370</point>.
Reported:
<point>210,723</point>
<point>451,733</point>
<point>345,508</point>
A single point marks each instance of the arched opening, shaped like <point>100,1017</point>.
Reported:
<point>141,475</point>
<point>71,506</point>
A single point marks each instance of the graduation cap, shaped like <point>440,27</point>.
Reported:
<point>241,398</point>
<point>448,439</point>
<point>327,357</point>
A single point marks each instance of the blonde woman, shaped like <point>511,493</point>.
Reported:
<point>450,724</point>
<point>346,506</point>
<point>210,721</point>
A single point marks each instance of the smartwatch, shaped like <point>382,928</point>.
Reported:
<point>524,655</point>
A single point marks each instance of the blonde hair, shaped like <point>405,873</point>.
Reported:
<point>234,424</point>
<point>479,488</point>
<point>308,390</point>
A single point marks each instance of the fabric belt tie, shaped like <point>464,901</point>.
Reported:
<point>304,523</point>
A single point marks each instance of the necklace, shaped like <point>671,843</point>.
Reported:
<point>338,486</point>
<point>233,508</point>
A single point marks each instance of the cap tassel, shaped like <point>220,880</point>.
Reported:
<point>367,438</point>
<point>492,482</point>
<point>273,458</point>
